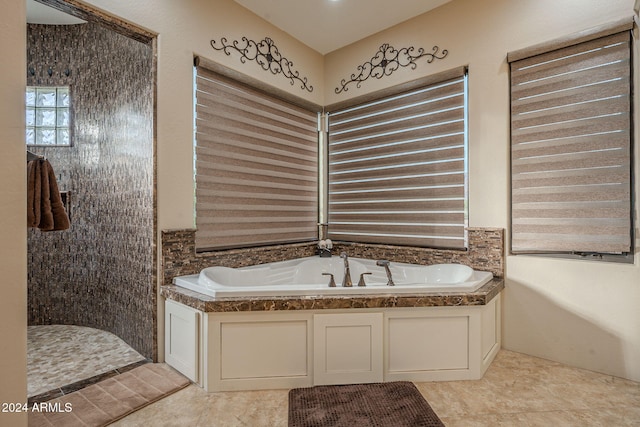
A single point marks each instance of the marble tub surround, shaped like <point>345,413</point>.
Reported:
<point>179,257</point>
<point>64,358</point>
<point>210,304</point>
<point>485,253</point>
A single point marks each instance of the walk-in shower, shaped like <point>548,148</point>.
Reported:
<point>100,273</point>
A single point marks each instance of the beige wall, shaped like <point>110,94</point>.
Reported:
<point>13,215</point>
<point>186,28</point>
<point>583,313</point>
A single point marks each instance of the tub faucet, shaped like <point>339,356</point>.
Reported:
<point>361,282</point>
<point>346,281</point>
<point>332,282</point>
<point>384,263</point>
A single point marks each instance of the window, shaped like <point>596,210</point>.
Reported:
<point>398,166</point>
<point>256,166</point>
<point>48,116</point>
<point>571,176</point>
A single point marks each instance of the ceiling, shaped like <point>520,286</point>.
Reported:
<point>327,25</point>
<point>323,25</point>
<point>37,13</point>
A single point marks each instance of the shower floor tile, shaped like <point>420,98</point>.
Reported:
<point>61,358</point>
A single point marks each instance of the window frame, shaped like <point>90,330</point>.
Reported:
<point>56,128</point>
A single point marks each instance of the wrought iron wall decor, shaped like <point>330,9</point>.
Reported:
<point>387,60</point>
<point>266,54</point>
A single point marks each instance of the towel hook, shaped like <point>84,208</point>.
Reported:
<point>33,156</point>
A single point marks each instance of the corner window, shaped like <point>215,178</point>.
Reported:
<point>571,148</point>
<point>48,116</point>
<point>256,166</point>
<point>398,166</point>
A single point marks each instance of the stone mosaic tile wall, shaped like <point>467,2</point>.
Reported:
<point>101,272</point>
<point>179,255</point>
<point>486,253</point>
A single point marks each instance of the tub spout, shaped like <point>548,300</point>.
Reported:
<point>385,264</point>
<point>346,281</point>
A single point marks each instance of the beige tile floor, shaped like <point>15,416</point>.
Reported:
<point>517,390</point>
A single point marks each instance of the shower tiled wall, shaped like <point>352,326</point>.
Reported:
<point>99,273</point>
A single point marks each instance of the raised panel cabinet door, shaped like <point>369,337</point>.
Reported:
<point>347,348</point>
<point>181,339</point>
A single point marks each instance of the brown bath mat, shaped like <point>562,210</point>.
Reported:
<point>109,400</point>
<point>394,404</point>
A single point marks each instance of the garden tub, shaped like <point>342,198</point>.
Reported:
<point>310,277</point>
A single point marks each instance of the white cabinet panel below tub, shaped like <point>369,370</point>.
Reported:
<point>442,343</point>
<point>347,348</point>
<point>490,327</point>
<point>257,351</point>
<point>263,349</point>
<point>181,338</point>
<point>428,343</point>
<point>284,349</point>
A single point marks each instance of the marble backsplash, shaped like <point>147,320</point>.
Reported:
<point>179,257</point>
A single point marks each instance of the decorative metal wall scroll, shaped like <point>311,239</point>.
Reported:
<point>387,60</point>
<point>266,54</point>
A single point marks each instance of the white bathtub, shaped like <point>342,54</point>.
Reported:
<point>303,277</point>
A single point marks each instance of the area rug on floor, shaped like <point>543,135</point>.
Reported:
<point>109,400</point>
<point>394,404</point>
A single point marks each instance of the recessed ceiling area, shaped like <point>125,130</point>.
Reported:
<point>38,13</point>
<point>327,25</point>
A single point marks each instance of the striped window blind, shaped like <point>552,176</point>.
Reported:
<point>571,148</point>
<point>256,166</point>
<point>397,168</point>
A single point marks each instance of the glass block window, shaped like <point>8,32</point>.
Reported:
<point>48,116</point>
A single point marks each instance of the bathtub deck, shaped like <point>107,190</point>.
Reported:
<point>208,304</point>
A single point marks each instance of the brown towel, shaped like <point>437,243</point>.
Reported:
<point>60,218</point>
<point>44,204</point>
<point>34,173</point>
<point>46,215</point>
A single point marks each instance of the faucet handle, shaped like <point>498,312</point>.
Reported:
<point>332,282</point>
<point>361,281</point>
